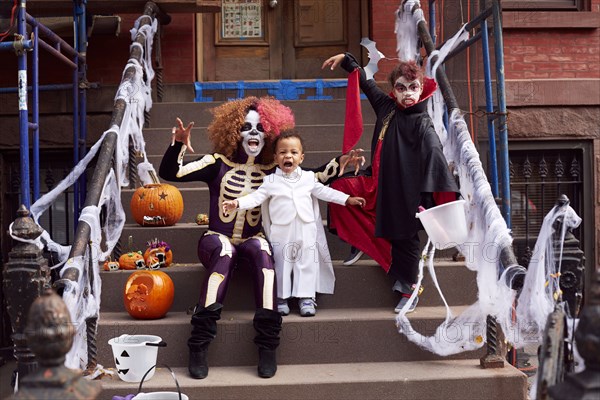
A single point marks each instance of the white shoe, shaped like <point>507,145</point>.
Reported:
<point>282,306</point>
<point>307,307</point>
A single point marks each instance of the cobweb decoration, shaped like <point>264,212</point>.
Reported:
<point>541,289</point>
<point>136,93</point>
<point>488,235</point>
<point>407,40</point>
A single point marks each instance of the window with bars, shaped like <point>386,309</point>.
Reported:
<point>537,179</point>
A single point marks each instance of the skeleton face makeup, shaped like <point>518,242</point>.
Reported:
<point>407,92</point>
<point>253,134</point>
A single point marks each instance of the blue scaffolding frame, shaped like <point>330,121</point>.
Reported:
<point>75,59</point>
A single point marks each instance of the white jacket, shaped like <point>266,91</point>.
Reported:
<point>290,191</point>
<point>291,196</point>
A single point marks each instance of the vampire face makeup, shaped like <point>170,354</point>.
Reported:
<point>407,92</point>
<point>253,134</point>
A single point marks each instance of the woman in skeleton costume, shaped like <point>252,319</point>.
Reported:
<point>242,133</point>
<point>408,169</point>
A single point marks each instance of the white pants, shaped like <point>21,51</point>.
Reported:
<point>296,258</point>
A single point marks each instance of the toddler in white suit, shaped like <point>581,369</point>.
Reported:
<point>292,222</point>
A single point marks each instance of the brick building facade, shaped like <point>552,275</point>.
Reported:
<point>552,70</point>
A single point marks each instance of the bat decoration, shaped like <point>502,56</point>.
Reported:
<point>374,57</point>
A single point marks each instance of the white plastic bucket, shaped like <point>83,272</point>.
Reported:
<point>160,396</point>
<point>135,355</point>
<point>445,224</point>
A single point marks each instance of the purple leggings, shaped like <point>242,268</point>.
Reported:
<point>209,252</point>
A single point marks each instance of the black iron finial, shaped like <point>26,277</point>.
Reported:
<point>24,227</point>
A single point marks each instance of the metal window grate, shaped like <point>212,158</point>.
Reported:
<point>537,178</point>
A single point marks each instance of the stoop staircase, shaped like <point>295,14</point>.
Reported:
<point>349,350</point>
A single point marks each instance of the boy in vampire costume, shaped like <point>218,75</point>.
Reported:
<point>408,170</point>
<point>242,133</point>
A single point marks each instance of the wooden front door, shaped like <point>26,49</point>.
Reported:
<point>261,40</point>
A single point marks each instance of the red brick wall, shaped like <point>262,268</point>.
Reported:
<point>565,53</point>
<point>553,53</point>
<point>542,54</point>
<point>178,52</point>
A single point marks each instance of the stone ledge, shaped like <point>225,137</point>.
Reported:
<point>531,19</point>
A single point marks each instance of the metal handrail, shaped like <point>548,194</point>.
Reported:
<point>103,165</point>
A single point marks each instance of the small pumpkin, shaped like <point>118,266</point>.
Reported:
<point>158,254</point>
<point>132,260</point>
<point>148,294</point>
<point>110,265</point>
<point>202,219</point>
<point>157,204</point>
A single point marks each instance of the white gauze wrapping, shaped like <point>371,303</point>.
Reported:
<point>436,105</point>
<point>541,287</point>
<point>137,95</point>
<point>488,234</point>
<point>101,237</point>
<point>407,46</point>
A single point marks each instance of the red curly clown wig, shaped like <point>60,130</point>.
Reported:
<point>224,130</point>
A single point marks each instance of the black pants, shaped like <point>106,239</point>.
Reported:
<point>405,260</point>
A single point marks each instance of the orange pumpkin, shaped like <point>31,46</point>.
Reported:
<point>158,254</point>
<point>132,260</point>
<point>157,204</point>
<point>110,265</point>
<point>148,294</point>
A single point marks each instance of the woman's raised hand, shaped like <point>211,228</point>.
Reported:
<point>334,61</point>
<point>183,134</point>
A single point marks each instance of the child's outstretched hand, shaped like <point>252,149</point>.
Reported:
<point>229,205</point>
<point>183,134</point>
<point>356,201</point>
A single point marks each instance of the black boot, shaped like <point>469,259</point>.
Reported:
<point>204,330</point>
<point>267,363</point>
<point>198,365</point>
<point>267,324</point>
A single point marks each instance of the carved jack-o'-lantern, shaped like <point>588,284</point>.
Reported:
<point>148,294</point>
<point>157,204</point>
<point>132,260</point>
<point>110,265</point>
<point>158,254</point>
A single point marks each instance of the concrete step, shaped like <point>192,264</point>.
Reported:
<point>440,379</point>
<point>316,138</point>
<point>362,285</point>
<point>332,336</point>
<point>183,238</point>
<point>306,112</point>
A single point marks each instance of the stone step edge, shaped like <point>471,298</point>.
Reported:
<point>320,374</point>
<point>324,315</point>
<point>367,262</point>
